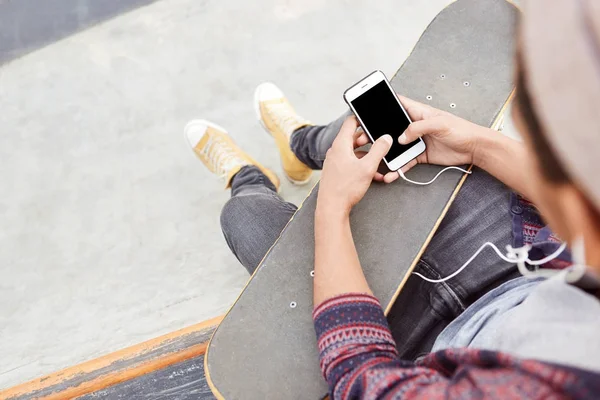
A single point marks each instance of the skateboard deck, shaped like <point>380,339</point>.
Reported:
<point>266,345</point>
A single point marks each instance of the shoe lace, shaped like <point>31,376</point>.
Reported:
<point>221,157</point>
<point>285,117</point>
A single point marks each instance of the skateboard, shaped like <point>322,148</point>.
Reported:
<point>266,345</point>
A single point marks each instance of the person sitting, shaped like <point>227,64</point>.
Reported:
<point>488,332</point>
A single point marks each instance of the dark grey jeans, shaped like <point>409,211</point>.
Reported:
<point>255,216</point>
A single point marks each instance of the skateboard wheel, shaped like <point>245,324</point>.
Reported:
<point>466,83</point>
<point>452,105</point>
<point>443,76</point>
<point>312,273</point>
<point>293,304</point>
<point>429,97</point>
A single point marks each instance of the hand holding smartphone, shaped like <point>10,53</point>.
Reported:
<point>379,112</point>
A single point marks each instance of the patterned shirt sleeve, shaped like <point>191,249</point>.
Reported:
<point>358,358</point>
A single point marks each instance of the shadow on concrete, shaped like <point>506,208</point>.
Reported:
<point>27,25</point>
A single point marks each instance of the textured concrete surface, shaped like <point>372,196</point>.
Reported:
<point>109,226</point>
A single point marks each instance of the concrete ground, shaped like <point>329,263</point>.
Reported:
<point>110,227</point>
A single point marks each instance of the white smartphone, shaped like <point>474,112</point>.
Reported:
<point>379,112</point>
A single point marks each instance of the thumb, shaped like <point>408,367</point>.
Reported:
<point>421,128</point>
<point>379,149</point>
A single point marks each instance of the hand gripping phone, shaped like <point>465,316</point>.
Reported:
<point>379,112</point>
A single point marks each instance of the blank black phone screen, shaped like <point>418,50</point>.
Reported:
<point>381,114</point>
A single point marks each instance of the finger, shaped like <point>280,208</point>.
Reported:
<point>361,140</point>
<point>360,154</point>
<point>379,149</point>
<point>409,165</point>
<point>391,177</point>
<point>418,111</point>
<point>421,128</point>
<point>347,133</point>
<point>378,175</point>
<point>422,158</point>
<point>357,133</point>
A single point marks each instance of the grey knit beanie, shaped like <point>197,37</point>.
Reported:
<point>561,53</point>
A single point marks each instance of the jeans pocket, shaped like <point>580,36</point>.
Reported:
<point>445,300</point>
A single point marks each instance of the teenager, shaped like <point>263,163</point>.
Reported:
<point>491,332</point>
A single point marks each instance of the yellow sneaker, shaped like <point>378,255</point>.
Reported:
<point>279,119</point>
<point>219,153</point>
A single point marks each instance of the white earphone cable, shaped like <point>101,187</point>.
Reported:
<point>520,256</point>
<point>434,178</point>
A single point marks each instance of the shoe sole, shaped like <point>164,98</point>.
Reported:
<point>194,122</point>
<point>259,118</point>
